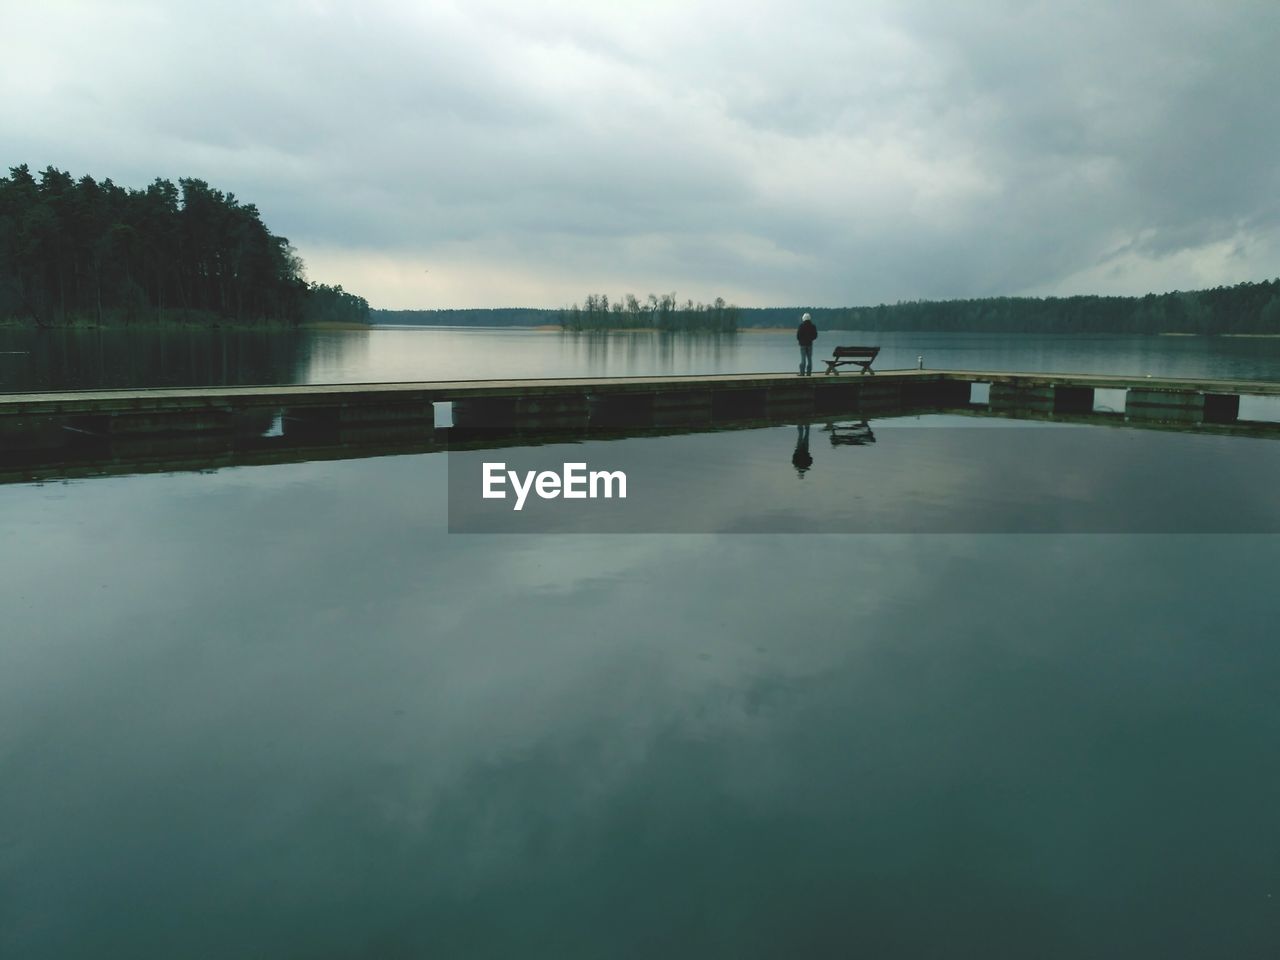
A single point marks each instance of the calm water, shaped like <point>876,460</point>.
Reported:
<point>83,359</point>
<point>282,712</point>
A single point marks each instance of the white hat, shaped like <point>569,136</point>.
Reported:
<point>805,317</point>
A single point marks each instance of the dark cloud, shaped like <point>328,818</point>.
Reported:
<point>776,154</point>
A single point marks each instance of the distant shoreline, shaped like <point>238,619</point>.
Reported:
<point>277,326</point>
<point>553,328</point>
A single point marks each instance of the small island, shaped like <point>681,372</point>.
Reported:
<point>664,313</point>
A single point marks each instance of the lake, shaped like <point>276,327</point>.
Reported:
<point>283,711</point>
<point>113,357</point>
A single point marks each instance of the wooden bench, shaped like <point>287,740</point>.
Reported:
<point>862,356</point>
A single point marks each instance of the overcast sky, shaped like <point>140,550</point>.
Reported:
<point>503,153</point>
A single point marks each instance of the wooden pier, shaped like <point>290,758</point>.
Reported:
<point>41,433</point>
<point>1008,389</point>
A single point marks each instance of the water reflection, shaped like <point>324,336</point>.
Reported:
<point>146,356</point>
<point>61,358</point>
<point>850,434</point>
<point>51,447</point>
<point>642,353</point>
<point>927,474</point>
<point>840,434</point>
<point>801,459</point>
<point>287,708</point>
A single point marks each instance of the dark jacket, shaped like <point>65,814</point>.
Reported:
<point>806,333</point>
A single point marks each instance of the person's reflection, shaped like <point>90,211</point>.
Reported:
<point>801,459</point>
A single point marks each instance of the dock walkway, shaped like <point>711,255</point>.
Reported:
<point>100,431</point>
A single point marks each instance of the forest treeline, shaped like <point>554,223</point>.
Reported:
<point>1243,308</point>
<point>87,251</point>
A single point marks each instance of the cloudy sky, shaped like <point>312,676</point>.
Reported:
<point>503,153</point>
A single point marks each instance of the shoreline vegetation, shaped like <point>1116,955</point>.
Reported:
<point>655,313</point>
<point>79,253</point>
<point>1244,310</point>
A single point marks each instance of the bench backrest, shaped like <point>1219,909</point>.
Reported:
<point>868,353</point>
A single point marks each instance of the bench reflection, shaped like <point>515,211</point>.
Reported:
<point>850,434</point>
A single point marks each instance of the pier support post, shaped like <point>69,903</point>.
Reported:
<point>937,393</point>
<point>1221,407</point>
<point>1072,399</point>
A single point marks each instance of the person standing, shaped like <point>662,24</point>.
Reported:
<point>806,333</point>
